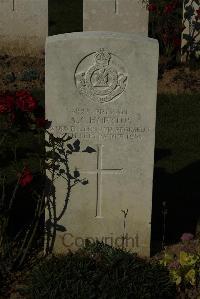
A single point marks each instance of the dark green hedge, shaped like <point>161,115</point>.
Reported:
<point>100,271</point>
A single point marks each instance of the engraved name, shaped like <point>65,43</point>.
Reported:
<point>102,124</point>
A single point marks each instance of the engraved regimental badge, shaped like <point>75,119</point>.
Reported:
<point>101,76</point>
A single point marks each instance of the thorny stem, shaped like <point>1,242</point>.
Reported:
<point>27,237</point>
<point>68,184</point>
<point>3,138</point>
<point>37,219</point>
<point>50,247</point>
<point>6,220</point>
<point>15,190</point>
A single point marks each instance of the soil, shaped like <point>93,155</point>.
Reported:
<point>180,80</point>
<point>21,73</point>
<point>28,73</point>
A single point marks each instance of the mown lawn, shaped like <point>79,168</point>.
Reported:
<point>178,130</point>
<point>177,166</point>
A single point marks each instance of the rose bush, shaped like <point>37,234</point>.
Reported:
<point>165,26</point>
<point>24,123</point>
<point>22,129</point>
<point>25,102</point>
<point>26,177</point>
<point>191,38</point>
<point>21,99</point>
<point>167,23</point>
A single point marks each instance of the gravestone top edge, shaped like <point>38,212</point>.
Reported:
<point>99,34</point>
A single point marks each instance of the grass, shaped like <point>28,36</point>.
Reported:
<point>177,130</point>
<point>177,167</point>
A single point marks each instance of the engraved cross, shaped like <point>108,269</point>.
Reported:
<point>116,7</point>
<point>100,171</point>
<point>13,5</point>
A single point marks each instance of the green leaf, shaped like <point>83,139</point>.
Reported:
<point>76,145</point>
<point>61,171</point>
<point>47,144</point>
<point>187,37</point>
<point>85,182</point>
<point>197,26</point>
<point>76,173</point>
<point>70,147</point>
<point>52,155</point>
<point>189,12</point>
<point>60,228</point>
<point>89,150</point>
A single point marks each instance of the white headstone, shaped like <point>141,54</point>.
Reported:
<point>101,88</point>
<point>115,15</point>
<point>23,26</point>
<point>189,26</point>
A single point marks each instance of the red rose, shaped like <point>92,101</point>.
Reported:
<point>41,122</point>
<point>26,177</point>
<point>22,93</point>
<point>24,101</point>
<point>152,7</point>
<point>10,102</point>
<point>6,103</point>
<point>168,8</point>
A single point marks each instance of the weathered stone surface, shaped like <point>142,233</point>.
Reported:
<point>101,89</point>
<point>115,15</point>
<point>23,26</point>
